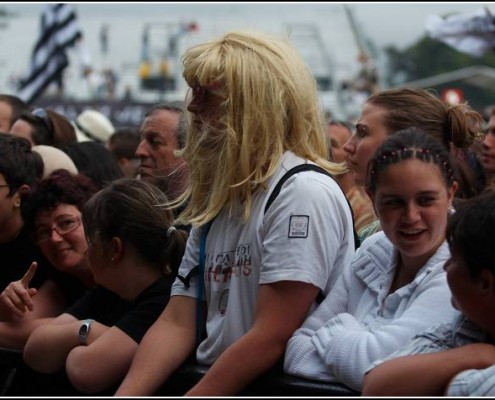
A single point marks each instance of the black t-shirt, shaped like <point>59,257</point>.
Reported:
<point>71,287</point>
<point>133,318</point>
<point>16,256</point>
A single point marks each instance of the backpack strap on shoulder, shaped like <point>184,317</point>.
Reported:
<point>309,167</point>
<point>287,175</point>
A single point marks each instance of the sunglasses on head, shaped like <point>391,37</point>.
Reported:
<point>42,115</point>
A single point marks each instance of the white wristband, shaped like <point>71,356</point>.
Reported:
<point>84,331</point>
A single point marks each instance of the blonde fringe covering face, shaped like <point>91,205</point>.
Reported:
<point>260,101</point>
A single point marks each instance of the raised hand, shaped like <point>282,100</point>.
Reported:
<point>17,296</point>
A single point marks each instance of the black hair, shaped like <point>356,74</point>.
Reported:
<point>471,230</point>
<point>60,187</point>
<point>17,105</point>
<point>19,165</point>
<point>95,161</point>
<point>42,131</point>
<point>136,211</point>
<point>124,142</point>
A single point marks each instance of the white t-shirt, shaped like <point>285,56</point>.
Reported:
<point>306,235</point>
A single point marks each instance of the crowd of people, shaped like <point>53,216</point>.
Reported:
<point>241,230</point>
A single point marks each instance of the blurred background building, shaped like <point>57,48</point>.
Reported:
<point>129,54</point>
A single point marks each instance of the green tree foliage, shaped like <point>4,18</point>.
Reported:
<point>5,13</point>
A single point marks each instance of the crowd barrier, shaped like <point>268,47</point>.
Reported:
<point>272,384</point>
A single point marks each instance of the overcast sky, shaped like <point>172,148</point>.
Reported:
<point>399,23</point>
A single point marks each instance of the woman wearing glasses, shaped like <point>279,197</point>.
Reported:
<point>134,253</point>
<point>52,211</point>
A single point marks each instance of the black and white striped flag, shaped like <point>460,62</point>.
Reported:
<point>472,33</point>
<point>59,31</point>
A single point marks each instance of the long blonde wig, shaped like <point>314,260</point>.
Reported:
<point>269,104</point>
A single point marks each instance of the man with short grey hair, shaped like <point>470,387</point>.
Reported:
<point>162,133</point>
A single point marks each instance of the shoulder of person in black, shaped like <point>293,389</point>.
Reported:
<point>108,308</point>
<point>71,287</point>
<point>101,305</point>
<point>158,289</point>
<point>147,308</point>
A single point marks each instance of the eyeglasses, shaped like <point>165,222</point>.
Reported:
<point>42,115</point>
<point>63,226</point>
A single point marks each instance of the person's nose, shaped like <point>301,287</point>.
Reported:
<point>192,107</point>
<point>350,146</point>
<point>142,149</point>
<point>55,236</point>
<point>411,213</point>
<point>488,141</point>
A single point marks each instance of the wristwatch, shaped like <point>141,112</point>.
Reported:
<point>84,331</point>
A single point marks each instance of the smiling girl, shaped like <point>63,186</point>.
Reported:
<point>395,285</point>
<point>456,127</point>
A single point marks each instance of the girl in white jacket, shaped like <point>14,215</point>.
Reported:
<point>395,286</point>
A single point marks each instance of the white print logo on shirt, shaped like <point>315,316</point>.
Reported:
<point>298,226</point>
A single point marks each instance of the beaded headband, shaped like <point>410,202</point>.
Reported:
<point>392,157</point>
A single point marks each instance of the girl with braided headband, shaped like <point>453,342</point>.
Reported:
<point>396,284</point>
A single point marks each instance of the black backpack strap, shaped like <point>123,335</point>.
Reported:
<point>309,167</point>
<point>287,175</point>
<point>185,279</point>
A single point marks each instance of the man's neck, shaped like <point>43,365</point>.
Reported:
<point>11,229</point>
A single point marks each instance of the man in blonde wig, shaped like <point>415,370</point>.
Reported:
<point>254,114</point>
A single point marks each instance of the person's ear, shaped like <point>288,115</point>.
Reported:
<point>451,192</point>
<point>19,193</point>
<point>117,249</point>
<point>487,281</point>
